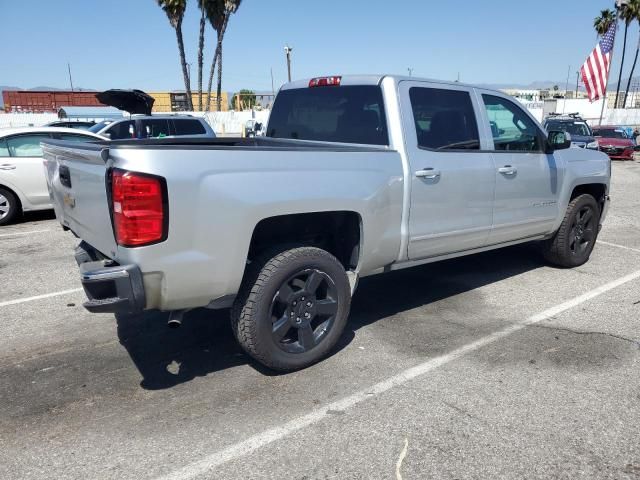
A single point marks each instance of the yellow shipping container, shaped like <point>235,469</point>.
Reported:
<point>167,102</point>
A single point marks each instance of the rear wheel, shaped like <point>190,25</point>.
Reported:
<point>292,308</point>
<point>573,243</point>
<point>9,206</point>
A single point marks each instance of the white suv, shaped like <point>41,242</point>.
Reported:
<point>153,126</point>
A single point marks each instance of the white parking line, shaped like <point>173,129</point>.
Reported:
<point>39,297</point>
<point>18,234</point>
<point>615,245</point>
<point>259,440</point>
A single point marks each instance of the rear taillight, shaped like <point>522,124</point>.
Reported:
<point>139,209</point>
<point>325,82</point>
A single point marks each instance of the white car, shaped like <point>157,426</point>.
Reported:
<point>23,186</point>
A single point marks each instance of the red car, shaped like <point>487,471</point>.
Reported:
<point>614,142</point>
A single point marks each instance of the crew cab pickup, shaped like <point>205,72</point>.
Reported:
<point>357,175</point>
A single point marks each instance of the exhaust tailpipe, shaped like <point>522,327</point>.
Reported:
<point>175,319</point>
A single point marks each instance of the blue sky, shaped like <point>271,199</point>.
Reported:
<point>129,43</point>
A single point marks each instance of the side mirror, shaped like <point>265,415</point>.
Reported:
<point>106,135</point>
<point>559,140</point>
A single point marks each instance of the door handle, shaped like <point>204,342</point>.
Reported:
<point>508,170</point>
<point>428,173</point>
<point>7,166</point>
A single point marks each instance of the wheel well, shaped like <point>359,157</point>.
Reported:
<point>596,190</point>
<point>336,232</point>
<point>14,194</point>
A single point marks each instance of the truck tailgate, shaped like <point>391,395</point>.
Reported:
<point>76,177</point>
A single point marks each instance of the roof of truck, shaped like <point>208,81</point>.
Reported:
<point>346,80</point>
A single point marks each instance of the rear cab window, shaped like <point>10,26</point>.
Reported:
<point>343,114</point>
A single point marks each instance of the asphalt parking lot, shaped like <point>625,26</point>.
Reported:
<point>492,366</point>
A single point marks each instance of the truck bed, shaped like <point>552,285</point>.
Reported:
<point>217,192</point>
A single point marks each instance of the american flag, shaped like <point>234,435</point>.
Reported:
<point>595,71</point>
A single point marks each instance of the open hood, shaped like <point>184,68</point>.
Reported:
<point>132,101</point>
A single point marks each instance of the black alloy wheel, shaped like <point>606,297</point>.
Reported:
<point>292,307</point>
<point>303,310</point>
<point>583,231</point>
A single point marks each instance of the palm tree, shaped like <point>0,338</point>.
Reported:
<point>216,16</point>
<point>634,10</point>
<point>219,12</point>
<point>231,7</point>
<point>627,18</point>
<point>175,13</point>
<point>203,24</point>
<point>604,21</point>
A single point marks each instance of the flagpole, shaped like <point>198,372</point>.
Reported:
<point>619,5</point>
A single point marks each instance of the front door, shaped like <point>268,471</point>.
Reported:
<point>527,179</point>
<point>452,179</point>
<point>23,167</point>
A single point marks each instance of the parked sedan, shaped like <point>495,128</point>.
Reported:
<point>614,142</point>
<point>22,182</point>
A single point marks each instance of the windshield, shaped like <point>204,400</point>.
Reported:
<point>99,126</point>
<point>610,133</point>
<point>350,114</point>
<point>574,128</point>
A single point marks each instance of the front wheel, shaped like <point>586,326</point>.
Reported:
<point>572,244</point>
<point>292,308</point>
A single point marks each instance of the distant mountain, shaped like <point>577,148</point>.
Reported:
<point>635,84</point>
<point>536,85</point>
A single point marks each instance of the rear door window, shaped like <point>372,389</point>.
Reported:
<point>188,127</point>
<point>122,130</point>
<point>345,114</point>
<point>444,119</point>
<point>155,128</point>
<point>26,145</point>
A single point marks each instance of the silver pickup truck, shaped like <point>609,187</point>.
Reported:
<point>358,175</point>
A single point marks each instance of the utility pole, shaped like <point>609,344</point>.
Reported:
<point>287,51</point>
<point>566,87</point>
<point>273,88</point>
<point>70,81</point>
<point>577,83</point>
<point>410,70</point>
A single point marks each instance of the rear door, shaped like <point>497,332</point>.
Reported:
<point>23,167</point>
<point>527,179</point>
<point>452,178</point>
<point>76,177</point>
